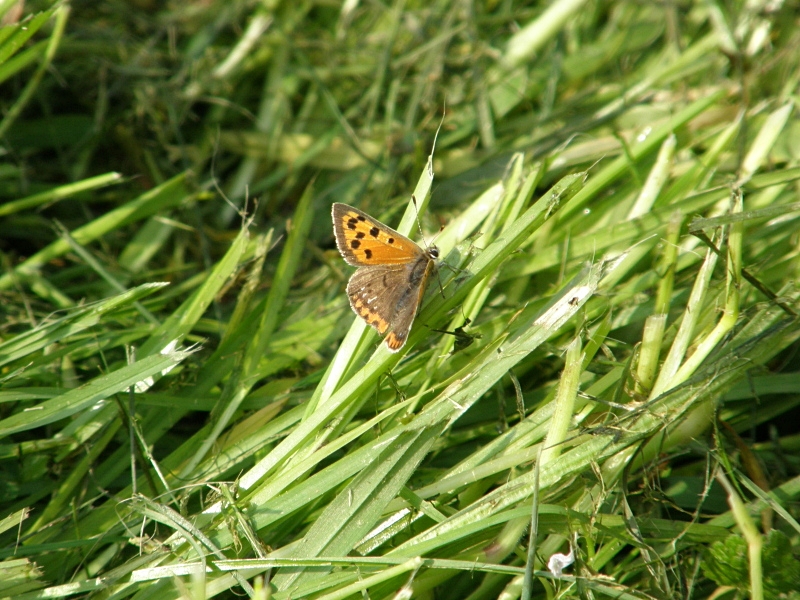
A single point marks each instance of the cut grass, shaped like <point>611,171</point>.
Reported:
<point>190,408</point>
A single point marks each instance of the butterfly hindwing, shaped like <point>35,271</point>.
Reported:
<point>407,305</point>
<point>372,294</point>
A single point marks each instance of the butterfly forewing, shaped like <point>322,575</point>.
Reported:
<point>363,241</point>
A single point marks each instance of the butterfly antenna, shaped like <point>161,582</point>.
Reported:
<point>419,224</point>
<point>428,247</point>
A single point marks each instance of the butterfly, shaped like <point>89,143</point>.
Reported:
<point>392,274</point>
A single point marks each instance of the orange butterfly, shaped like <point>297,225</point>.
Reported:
<point>393,271</point>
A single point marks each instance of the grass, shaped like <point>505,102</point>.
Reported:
<point>605,365</point>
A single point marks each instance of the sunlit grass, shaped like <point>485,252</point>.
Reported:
<point>189,408</point>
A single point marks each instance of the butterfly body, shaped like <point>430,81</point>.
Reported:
<point>393,272</point>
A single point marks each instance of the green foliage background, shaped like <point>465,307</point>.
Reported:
<point>605,365</point>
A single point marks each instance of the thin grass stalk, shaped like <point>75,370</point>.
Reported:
<point>751,534</point>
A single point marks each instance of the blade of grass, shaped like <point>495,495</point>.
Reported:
<point>245,375</point>
<point>90,394</point>
<point>13,43</point>
<point>171,193</point>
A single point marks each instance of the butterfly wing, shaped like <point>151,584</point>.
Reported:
<point>363,241</point>
<point>387,297</point>
<point>407,305</point>
<point>374,292</point>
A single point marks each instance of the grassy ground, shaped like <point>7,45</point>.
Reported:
<point>605,364</point>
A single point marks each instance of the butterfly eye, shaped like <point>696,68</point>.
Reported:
<point>433,252</point>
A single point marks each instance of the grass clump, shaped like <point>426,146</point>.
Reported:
<point>604,366</point>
